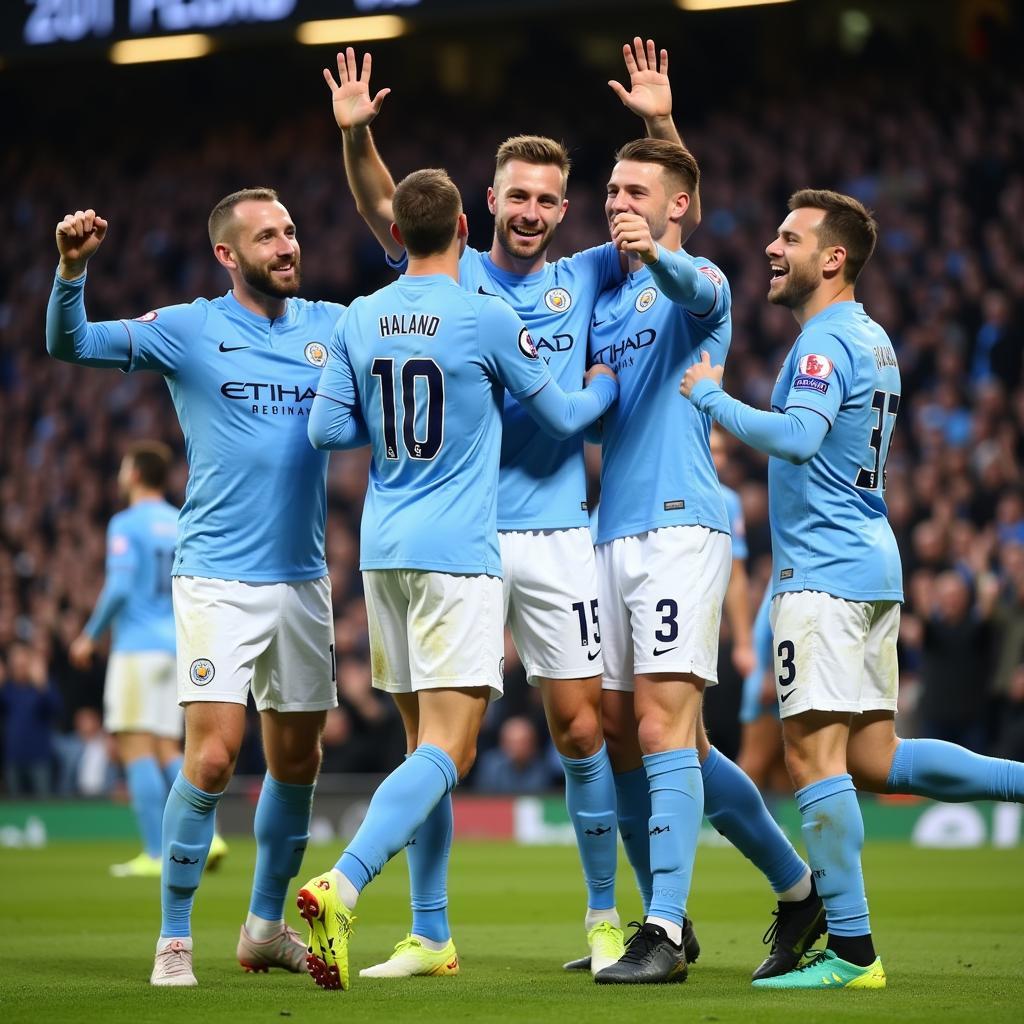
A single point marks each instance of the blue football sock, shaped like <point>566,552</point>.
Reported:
<point>148,792</point>
<point>172,768</point>
<point>590,800</point>
<point>947,772</point>
<point>633,809</point>
<point>733,804</point>
<point>834,833</point>
<point>187,833</point>
<point>398,808</point>
<point>427,853</point>
<point>282,832</point>
<point>677,808</point>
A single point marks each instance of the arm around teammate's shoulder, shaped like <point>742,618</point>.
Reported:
<point>335,422</point>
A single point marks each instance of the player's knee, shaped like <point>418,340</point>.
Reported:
<point>464,760</point>
<point>578,736</point>
<point>213,765</point>
<point>654,733</point>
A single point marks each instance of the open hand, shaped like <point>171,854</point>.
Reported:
<point>350,95</point>
<point>649,95</point>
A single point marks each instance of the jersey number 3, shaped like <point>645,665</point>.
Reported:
<point>886,404</point>
<point>413,371</point>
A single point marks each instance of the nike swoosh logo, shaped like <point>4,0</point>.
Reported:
<point>783,697</point>
<point>232,348</point>
<point>597,323</point>
<point>658,653</point>
<point>594,656</point>
<point>493,295</point>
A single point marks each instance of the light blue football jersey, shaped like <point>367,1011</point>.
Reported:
<point>828,517</point>
<point>256,499</point>
<point>427,363</point>
<point>543,482</point>
<point>737,525</point>
<point>656,467</point>
<point>136,598</point>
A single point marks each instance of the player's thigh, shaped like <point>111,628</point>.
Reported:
<point>456,632</point>
<point>616,631</point>
<point>222,629</point>
<point>673,581</point>
<point>816,743</point>
<point>297,671</point>
<point>291,742</point>
<point>550,583</point>
<point>214,731</point>
<point>819,644</point>
<point>387,620</point>
<point>450,718</point>
<point>409,710</point>
<point>871,748</point>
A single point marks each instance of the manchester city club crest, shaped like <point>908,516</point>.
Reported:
<point>558,300</point>
<point>201,672</point>
<point>316,354</point>
<point>645,299</point>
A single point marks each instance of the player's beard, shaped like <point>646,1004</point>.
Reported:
<point>801,280</point>
<point>519,249</point>
<point>260,278</point>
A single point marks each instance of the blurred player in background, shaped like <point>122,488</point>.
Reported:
<point>550,584</point>
<point>420,368</point>
<point>837,577</point>
<point>252,601</point>
<point>140,696</point>
<point>664,559</point>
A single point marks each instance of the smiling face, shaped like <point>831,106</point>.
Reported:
<point>795,259</point>
<point>643,189</point>
<point>528,203</point>
<point>265,248</point>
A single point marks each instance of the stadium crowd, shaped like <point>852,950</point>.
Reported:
<point>942,172</point>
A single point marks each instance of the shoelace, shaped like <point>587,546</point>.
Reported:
<point>772,935</point>
<point>174,959</point>
<point>813,957</point>
<point>639,944</point>
<point>408,943</point>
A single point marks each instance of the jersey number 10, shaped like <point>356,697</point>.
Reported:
<point>884,403</point>
<point>427,370</point>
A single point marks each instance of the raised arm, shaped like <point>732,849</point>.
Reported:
<point>69,335</point>
<point>369,180</point>
<point>650,97</point>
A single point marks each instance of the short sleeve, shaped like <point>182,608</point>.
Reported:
<point>338,380</point>
<point>822,374</point>
<point>508,350</point>
<point>160,339</point>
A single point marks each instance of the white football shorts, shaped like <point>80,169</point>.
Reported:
<point>834,655</point>
<point>141,694</point>
<point>275,639</point>
<point>661,598</point>
<point>551,603</point>
<point>434,630</point>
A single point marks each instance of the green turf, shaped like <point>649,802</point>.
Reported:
<point>76,945</point>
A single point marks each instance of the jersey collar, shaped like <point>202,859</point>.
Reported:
<point>237,309</point>
<point>833,310</point>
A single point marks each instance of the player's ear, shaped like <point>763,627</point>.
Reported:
<point>225,257</point>
<point>462,226</point>
<point>492,201</point>
<point>565,206</point>
<point>396,235</point>
<point>679,205</point>
<point>834,260</point>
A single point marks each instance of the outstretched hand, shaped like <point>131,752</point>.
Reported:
<point>649,95</point>
<point>350,95</point>
<point>79,235</point>
<point>698,372</point>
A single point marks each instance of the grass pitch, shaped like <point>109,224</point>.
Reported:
<point>77,945</point>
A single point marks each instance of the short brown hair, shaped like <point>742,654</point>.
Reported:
<point>847,222</point>
<point>152,461</point>
<point>426,206</point>
<point>534,149</point>
<point>675,159</point>
<point>220,216</point>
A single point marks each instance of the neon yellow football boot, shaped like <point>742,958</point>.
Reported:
<point>330,925</point>
<point>142,866</point>
<point>411,959</point>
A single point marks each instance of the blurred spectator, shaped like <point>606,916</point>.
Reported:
<point>29,704</point>
<point>516,765</point>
